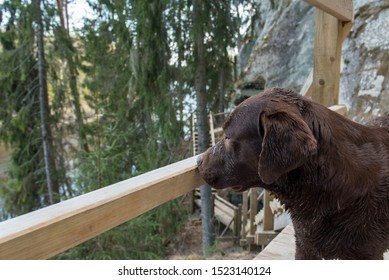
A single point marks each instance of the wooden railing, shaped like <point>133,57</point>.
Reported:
<point>46,232</point>
<point>334,20</point>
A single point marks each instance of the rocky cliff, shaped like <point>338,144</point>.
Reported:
<point>281,53</point>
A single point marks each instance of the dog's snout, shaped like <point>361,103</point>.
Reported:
<point>199,160</point>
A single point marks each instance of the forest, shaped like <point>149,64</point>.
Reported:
<point>87,105</point>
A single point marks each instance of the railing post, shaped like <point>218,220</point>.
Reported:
<point>333,23</point>
<point>243,240</point>
<point>268,216</point>
<point>328,47</point>
<point>253,213</point>
<point>238,222</point>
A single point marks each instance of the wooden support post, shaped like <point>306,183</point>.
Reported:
<point>328,44</point>
<point>253,209</point>
<point>238,222</point>
<point>338,26</point>
<point>268,216</point>
<point>253,213</point>
<point>243,240</point>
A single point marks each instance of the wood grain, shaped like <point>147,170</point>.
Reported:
<point>327,55</point>
<point>46,232</point>
<point>283,247</point>
<point>344,12</point>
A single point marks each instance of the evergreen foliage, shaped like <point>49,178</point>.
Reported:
<point>119,90</point>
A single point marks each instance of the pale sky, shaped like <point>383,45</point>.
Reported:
<point>78,9</point>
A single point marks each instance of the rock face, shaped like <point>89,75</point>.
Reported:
<point>364,83</point>
<point>281,54</point>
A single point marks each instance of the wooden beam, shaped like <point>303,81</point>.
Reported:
<point>346,29</point>
<point>46,232</point>
<point>265,237</point>
<point>245,206</point>
<point>333,8</point>
<point>307,88</point>
<point>237,221</point>
<point>341,9</point>
<point>268,216</point>
<point>281,248</point>
<point>253,209</point>
<point>327,55</point>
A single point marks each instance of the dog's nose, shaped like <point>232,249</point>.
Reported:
<point>199,160</point>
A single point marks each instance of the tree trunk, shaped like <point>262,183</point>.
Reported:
<point>47,140</point>
<point>72,68</point>
<point>202,123</point>
<point>222,94</point>
<point>60,12</point>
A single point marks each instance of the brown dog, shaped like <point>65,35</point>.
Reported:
<point>332,174</point>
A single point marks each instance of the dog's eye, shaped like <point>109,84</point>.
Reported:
<point>226,138</point>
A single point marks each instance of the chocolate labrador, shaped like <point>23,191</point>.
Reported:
<point>331,173</point>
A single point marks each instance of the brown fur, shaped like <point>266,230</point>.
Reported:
<point>332,174</point>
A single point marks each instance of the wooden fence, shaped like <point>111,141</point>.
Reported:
<point>46,232</point>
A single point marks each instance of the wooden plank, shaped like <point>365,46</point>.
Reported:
<point>346,29</point>
<point>54,229</point>
<point>238,221</point>
<point>281,248</point>
<point>341,9</point>
<point>245,207</point>
<point>223,217</point>
<point>265,237</point>
<point>228,204</point>
<point>327,55</point>
<point>307,88</point>
<point>225,209</point>
<point>268,216</point>
<point>253,209</point>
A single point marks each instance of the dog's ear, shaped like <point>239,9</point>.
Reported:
<point>287,143</point>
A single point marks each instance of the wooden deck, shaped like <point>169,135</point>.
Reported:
<point>282,247</point>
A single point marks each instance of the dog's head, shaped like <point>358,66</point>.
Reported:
<point>265,137</point>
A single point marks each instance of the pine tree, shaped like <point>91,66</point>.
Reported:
<point>20,118</point>
<point>47,139</point>
<point>64,42</point>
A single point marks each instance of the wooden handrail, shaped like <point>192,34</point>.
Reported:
<point>46,232</point>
